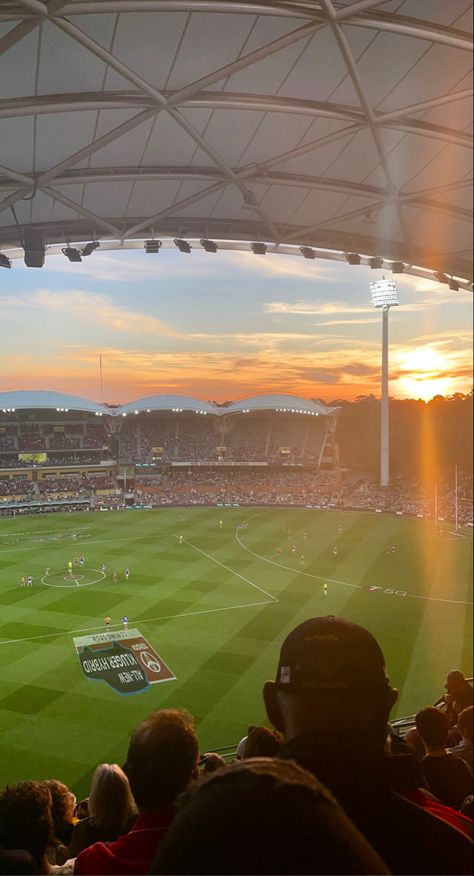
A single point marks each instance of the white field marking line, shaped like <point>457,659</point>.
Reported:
<point>61,544</point>
<point>228,569</point>
<point>44,531</point>
<point>439,599</point>
<point>143,621</point>
<point>291,569</point>
<point>69,586</point>
<point>345,583</point>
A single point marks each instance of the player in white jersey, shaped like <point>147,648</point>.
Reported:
<point>180,539</point>
<point>125,622</point>
<point>81,561</point>
<point>29,581</point>
<point>126,573</point>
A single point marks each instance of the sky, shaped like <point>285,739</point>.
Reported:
<point>225,326</point>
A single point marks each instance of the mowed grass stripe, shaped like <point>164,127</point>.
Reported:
<point>221,659</point>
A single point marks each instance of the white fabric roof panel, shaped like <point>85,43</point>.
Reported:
<point>304,109</point>
<point>38,399</point>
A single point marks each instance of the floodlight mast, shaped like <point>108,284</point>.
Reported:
<point>384,296</point>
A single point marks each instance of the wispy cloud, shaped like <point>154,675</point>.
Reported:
<point>89,308</point>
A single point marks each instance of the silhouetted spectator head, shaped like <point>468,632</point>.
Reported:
<point>433,727</point>
<point>465,722</point>
<point>25,820</point>
<point>455,681</point>
<point>162,758</point>
<point>262,742</point>
<point>263,816</point>
<point>331,677</point>
<point>111,803</point>
<point>64,803</point>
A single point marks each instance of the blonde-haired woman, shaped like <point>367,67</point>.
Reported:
<point>111,806</point>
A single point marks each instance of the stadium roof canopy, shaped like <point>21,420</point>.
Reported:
<point>286,403</point>
<point>177,403</point>
<point>340,126</point>
<point>38,399</point>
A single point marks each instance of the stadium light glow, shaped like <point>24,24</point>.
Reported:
<point>352,258</point>
<point>258,248</point>
<point>307,252</point>
<point>90,247</point>
<point>152,246</point>
<point>4,261</point>
<point>72,254</point>
<point>182,245</point>
<point>384,293</point>
<point>375,263</point>
<point>209,245</point>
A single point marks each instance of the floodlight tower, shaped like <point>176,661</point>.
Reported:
<point>384,296</point>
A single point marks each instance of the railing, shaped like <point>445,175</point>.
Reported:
<point>401,725</point>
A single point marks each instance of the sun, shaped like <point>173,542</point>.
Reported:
<point>424,373</point>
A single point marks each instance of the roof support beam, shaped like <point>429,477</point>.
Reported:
<point>347,56</point>
<point>81,211</point>
<point>391,23</point>
<point>395,120</point>
<point>45,178</point>
<point>35,6</point>
<point>162,102</point>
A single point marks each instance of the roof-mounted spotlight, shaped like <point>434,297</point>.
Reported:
<point>182,245</point>
<point>307,252</point>
<point>90,247</point>
<point>209,245</point>
<point>453,285</point>
<point>4,261</point>
<point>352,258</point>
<point>258,248</point>
<point>397,267</point>
<point>152,246</point>
<point>440,277</point>
<point>72,254</point>
<point>375,263</point>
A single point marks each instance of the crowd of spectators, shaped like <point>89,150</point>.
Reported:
<point>16,487</point>
<point>37,437</point>
<point>199,439</point>
<point>239,486</point>
<point>328,788</point>
<point>409,496</point>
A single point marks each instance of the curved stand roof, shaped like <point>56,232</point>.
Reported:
<point>339,125</point>
<point>11,402</point>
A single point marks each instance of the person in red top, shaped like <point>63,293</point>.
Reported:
<point>161,762</point>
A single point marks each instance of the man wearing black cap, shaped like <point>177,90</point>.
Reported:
<point>332,699</point>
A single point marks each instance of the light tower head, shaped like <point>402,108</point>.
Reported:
<point>384,293</point>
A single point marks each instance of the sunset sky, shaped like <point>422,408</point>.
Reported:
<point>221,327</point>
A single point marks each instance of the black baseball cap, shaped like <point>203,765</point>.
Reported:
<point>331,654</point>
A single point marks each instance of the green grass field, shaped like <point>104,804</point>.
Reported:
<point>216,609</point>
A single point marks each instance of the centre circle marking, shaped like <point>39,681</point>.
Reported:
<point>73,580</point>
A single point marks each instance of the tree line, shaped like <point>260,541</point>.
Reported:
<point>426,439</point>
